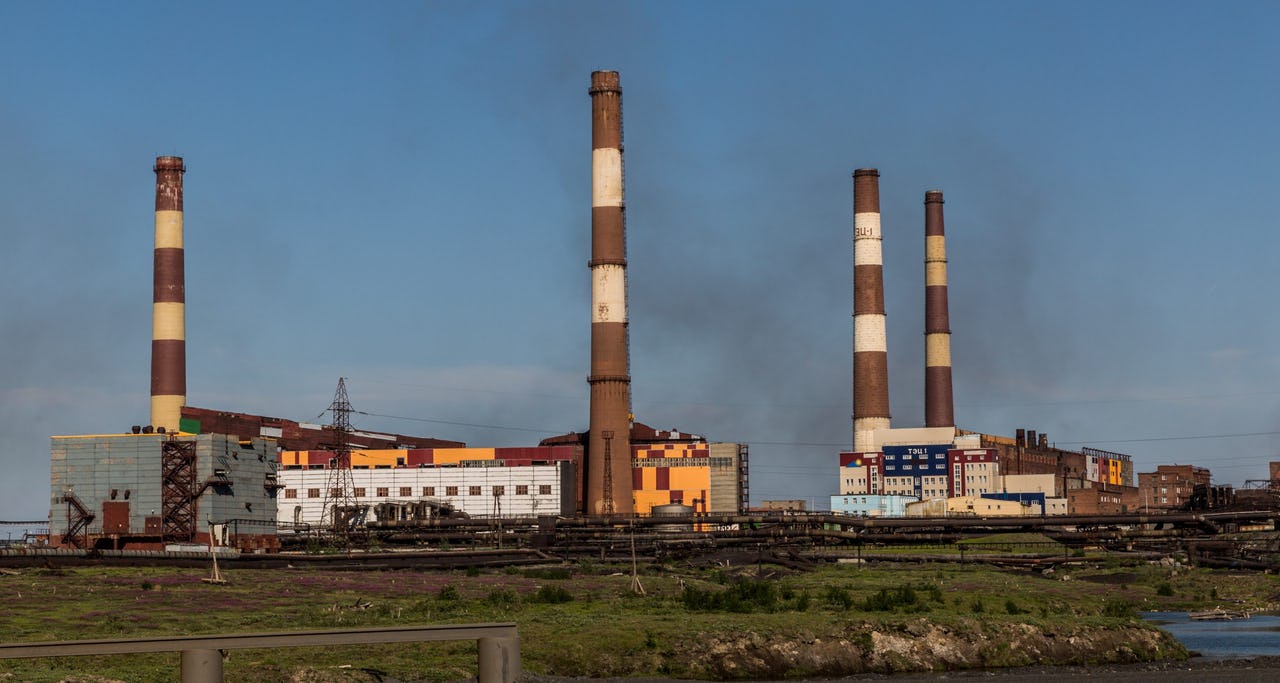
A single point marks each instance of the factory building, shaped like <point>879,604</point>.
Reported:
<point>396,493</point>
<point>671,466</point>
<point>150,490</point>
<point>1171,487</point>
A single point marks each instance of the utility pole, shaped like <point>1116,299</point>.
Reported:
<point>339,502</point>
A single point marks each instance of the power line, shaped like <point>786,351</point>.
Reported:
<point>1169,438</point>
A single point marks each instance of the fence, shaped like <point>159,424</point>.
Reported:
<point>498,645</point>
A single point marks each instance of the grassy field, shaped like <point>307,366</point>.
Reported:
<point>579,620</point>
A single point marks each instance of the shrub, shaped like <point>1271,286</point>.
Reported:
<point>501,597</point>
<point>977,607</point>
<point>838,597</point>
<point>552,595</point>
<point>147,585</point>
<point>1164,589</point>
<point>889,599</point>
<point>1118,609</point>
<point>449,593</point>
<point>1012,607</point>
<point>741,596</point>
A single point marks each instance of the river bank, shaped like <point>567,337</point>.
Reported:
<point>724,621</point>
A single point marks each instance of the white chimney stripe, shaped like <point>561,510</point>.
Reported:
<point>168,320</point>
<point>937,350</point>
<point>866,226</point>
<point>864,433</point>
<point>168,230</point>
<point>935,248</point>
<point>606,177</point>
<point>869,332</point>
<point>935,273</point>
<point>608,294</point>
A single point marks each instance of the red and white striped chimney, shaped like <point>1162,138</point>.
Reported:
<point>939,410</point>
<point>168,308</point>
<point>870,346</point>
<point>610,378</point>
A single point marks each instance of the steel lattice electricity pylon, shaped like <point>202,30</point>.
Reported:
<point>340,514</point>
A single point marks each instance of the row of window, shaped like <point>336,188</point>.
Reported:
<point>407,491</point>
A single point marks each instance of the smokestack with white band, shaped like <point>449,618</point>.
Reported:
<point>939,411</point>
<point>610,378</point>
<point>870,348</point>
<point>168,308</point>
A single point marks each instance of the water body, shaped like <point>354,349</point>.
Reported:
<point>1253,637</point>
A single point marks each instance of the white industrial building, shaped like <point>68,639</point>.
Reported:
<point>507,491</point>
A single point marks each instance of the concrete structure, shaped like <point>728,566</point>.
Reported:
<point>392,493</point>
<point>939,408</point>
<point>870,343</point>
<point>610,378</point>
<point>871,505</point>
<point>168,307</point>
<point>108,491</point>
<point>972,506</point>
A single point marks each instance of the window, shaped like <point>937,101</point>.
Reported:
<point>522,489</point>
<point>313,493</point>
<point>499,490</point>
<point>544,489</point>
<point>406,491</point>
<point>382,491</point>
<point>451,490</point>
<point>428,490</point>
<point>474,491</point>
<point>291,493</point>
<point>360,492</point>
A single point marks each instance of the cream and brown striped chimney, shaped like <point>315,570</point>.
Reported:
<point>610,378</point>
<point>168,308</point>
<point>870,346</point>
<point>939,410</point>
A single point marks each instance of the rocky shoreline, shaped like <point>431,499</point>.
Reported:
<point>919,646</point>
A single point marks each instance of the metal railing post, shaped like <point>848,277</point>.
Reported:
<point>499,660</point>
<point>201,666</point>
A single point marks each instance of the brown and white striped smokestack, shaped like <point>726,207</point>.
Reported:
<point>610,378</point>
<point>870,348</point>
<point>168,312</point>
<point>939,411</point>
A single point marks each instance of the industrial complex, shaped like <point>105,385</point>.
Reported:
<point>194,476</point>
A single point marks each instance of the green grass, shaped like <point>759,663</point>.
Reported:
<point>579,621</point>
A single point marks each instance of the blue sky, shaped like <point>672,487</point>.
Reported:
<point>399,194</point>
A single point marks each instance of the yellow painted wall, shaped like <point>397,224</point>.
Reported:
<point>453,456</point>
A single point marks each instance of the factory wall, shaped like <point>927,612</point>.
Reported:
<point>871,505</point>
<point>510,491</point>
<point>972,506</point>
<point>707,477</point>
<point>117,478</point>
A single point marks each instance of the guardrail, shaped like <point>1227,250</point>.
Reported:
<point>498,645</point>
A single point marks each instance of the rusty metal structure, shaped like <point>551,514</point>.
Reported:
<point>339,514</point>
<point>939,407</point>
<point>610,378</point>
<point>870,345</point>
<point>178,492</point>
<point>168,314</point>
<point>78,519</point>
